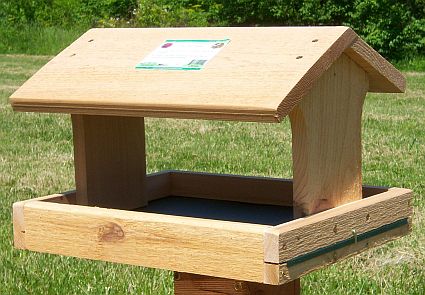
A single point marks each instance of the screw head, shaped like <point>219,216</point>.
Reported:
<point>177,276</point>
<point>238,286</point>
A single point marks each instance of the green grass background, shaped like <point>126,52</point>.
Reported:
<point>36,160</point>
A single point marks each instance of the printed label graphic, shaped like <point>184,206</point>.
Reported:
<point>182,54</point>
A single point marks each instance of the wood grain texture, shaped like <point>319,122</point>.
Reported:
<point>289,240</point>
<point>282,273</point>
<point>326,140</point>
<point>18,214</point>
<point>312,74</point>
<point>190,284</point>
<point>193,245</point>
<point>158,185</point>
<point>109,157</point>
<point>259,76</point>
<point>19,225</point>
<point>239,251</point>
<point>250,189</point>
<point>383,77</point>
<point>260,190</point>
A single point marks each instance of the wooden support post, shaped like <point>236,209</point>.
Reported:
<point>326,140</point>
<point>110,165</point>
<point>191,284</point>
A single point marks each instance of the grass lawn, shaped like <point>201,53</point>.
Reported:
<point>38,40</point>
<point>36,160</point>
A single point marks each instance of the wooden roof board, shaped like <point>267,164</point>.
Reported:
<point>256,77</point>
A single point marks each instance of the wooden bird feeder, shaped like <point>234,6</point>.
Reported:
<point>219,233</point>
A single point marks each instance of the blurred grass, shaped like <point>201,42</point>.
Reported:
<point>416,64</point>
<point>36,160</point>
<point>34,39</point>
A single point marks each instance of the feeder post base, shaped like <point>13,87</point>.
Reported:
<point>192,284</point>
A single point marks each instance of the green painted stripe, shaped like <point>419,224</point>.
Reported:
<point>200,40</point>
<point>344,243</point>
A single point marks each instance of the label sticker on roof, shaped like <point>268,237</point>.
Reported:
<point>182,54</point>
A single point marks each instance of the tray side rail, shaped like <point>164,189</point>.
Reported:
<point>193,245</point>
<point>305,244</point>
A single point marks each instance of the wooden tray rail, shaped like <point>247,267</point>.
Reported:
<point>270,254</point>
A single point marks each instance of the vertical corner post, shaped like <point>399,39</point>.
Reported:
<point>326,139</point>
<point>110,164</point>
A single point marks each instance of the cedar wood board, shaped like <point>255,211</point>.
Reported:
<point>248,252</point>
<point>259,76</point>
<point>190,284</point>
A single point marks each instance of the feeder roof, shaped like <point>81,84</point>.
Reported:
<point>260,75</point>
